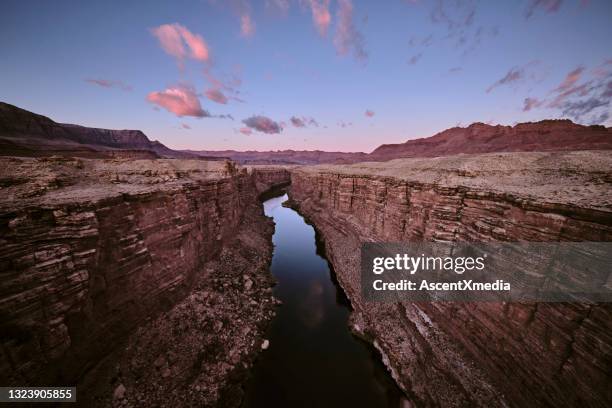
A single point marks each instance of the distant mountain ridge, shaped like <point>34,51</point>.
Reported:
<point>26,133</point>
<point>546,135</point>
<point>23,133</point>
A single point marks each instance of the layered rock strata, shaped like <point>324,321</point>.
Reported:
<point>92,249</point>
<point>473,354</point>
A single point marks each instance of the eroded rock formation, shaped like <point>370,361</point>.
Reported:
<point>466,354</point>
<point>92,249</point>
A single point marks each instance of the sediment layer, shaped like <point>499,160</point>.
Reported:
<point>483,354</point>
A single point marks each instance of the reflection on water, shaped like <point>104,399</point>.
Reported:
<point>313,360</point>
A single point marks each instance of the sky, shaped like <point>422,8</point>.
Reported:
<point>335,75</point>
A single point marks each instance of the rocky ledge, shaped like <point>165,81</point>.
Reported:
<point>473,354</point>
<point>144,281</point>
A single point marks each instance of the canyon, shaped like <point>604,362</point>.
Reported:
<point>142,274</point>
<point>147,281</point>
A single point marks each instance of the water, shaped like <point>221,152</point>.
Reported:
<point>313,360</point>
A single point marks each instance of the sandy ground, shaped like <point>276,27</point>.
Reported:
<point>40,181</point>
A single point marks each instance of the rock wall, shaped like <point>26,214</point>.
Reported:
<point>80,274</point>
<point>265,177</point>
<point>470,354</point>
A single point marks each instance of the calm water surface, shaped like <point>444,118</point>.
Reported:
<point>313,360</point>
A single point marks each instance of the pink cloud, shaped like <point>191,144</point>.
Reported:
<point>216,95</point>
<point>369,113</point>
<point>245,131</point>
<point>347,38</point>
<point>320,15</point>
<point>568,88</point>
<point>178,41</point>
<point>247,26</point>
<point>109,83</point>
<point>180,100</point>
<point>570,79</point>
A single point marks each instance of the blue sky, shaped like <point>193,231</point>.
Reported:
<point>351,74</point>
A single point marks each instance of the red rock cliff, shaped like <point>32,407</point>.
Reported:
<point>90,249</point>
<point>546,135</point>
<point>465,354</point>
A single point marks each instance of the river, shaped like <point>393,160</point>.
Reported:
<point>313,360</point>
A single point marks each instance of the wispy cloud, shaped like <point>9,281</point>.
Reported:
<point>321,16</point>
<point>589,100</point>
<point>579,96</point>
<point>185,126</point>
<point>178,41</point>
<point>514,75</point>
<point>245,130</point>
<point>456,15</point>
<point>570,79</point>
<point>348,38</point>
<point>415,58</point>
<point>547,6</point>
<point>181,100</point>
<point>109,83</point>
<point>221,91</point>
<point>247,26</point>
<point>301,122</point>
<point>279,6</point>
<point>263,124</point>
<point>459,19</point>
<point>216,95</point>
<point>369,113</point>
<point>531,103</point>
